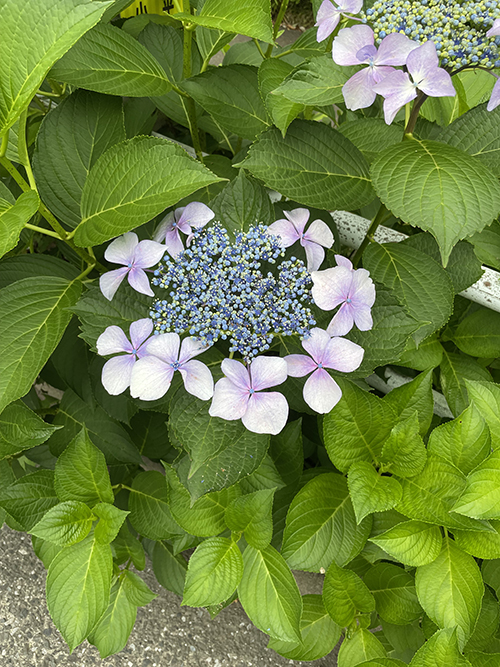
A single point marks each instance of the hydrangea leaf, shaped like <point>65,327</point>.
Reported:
<point>22,429</point>
<point>442,650</point>
<point>29,498</point>
<point>486,397</point>
<point>126,546</point>
<point>371,135</point>
<point>321,526</point>
<point>65,524</point>
<point>487,245</point>
<point>479,334</point>
<point>480,545</point>
<point>371,492</point>
<point>137,591</point>
<point>394,591</point>
<point>252,514</point>
<point>414,396</point>
<point>272,72</point>
<point>481,497</point>
<point>14,217</point>
<point>344,594</point>
<point>404,451</point>
<point>455,370</point>
<point>170,570</point>
<point>15,268</point>
<point>45,551</point>
<point>362,646</point>
<point>452,195</point>
<point>111,519</point>
<point>319,633</point>
<point>150,512</point>
<point>413,543</point>
<point>487,623</point>
<point>429,354</point>
<point>112,632</point>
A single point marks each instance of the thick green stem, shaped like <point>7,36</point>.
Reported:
<point>410,125</point>
<point>22,149</point>
<point>41,230</point>
<point>259,47</point>
<point>186,72</point>
<point>5,143</point>
<point>382,214</point>
<point>277,25</point>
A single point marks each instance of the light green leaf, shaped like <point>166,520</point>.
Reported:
<point>371,135</point>
<point>487,623</point>
<point>371,492</point>
<point>455,371</point>
<point>265,477</point>
<point>165,43</point>
<point>405,639</point>
<point>344,594</point>
<point>313,165</point>
<point>481,496</point>
<point>269,594</point>
<point>45,551</point>
<point>70,140</point>
<point>357,427</point>
<point>252,514</point>
<point>150,513</point>
<point>29,498</point>
<point>214,572</point>
<point>136,590</point>
<point>13,269</point>
<point>413,543</point>
<point>464,441</point>
<point>231,95</point>
<point>13,218</point>
<point>486,397</point>
<point>21,429</point>
<point>382,662</point>
<point>33,317</point>
<point>81,473</point>
<point>429,354</point>
<point>478,659</point>
<point>211,41</point>
<point>321,526</point>
<point>78,588</point>
<point>170,570</point>
<point>111,633</point>
<point>442,650</point>
<point>394,591</point>
<point>450,589</point>
<point>272,73</point>
<point>32,45</point>
<point>456,191</point>
<point>479,334</point>
<point>125,546</point>
<point>480,545</point>
<point>415,395</point>
<point>316,82</point>
<point>360,647</point>
<point>416,280</point>
<point>107,60</point>
<point>404,450</point>
<point>153,173</point>
<point>319,634</point>
<point>111,519</point>
<point>65,524</point>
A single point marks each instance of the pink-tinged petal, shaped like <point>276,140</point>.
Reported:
<point>229,402</point>
<point>298,217</point>
<point>314,254</point>
<point>151,378</point>
<point>362,318</point>
<point>173,243</point>
<point>194,215</point>
<point>343,261</point>
<point>438,84</point>
<point>299,365</point>
<point>394,104</point>
<point>116,373</point>
<point>140,330</point>
<point>190,348</point>
<point>362,288</point>
<point>394,49</point>
<point>267,372</point>
<point>351,6</point>
<point>495,97</point>
<point>342,322</point>
<point>358,90</point>
<point>165,347</point>
<point>321,392</point>
<point>113,340</point>
<point>148,253</point>
<point>349,42</point>
<point>198,379</point>
<point>109,282</point>
<point>285,230</point>
<point>398,90</point>
<point>343,355</point>
<point>166,225</point>
<point>495,29</point>
<point>331,287</point>
<point>327,19</point>
<point>121,250</point>
<point>319,232</point>
<point>266,413</point>
<point>316,344</point>
<point>139,281</point>
<point>237,373</point>
<point>422,61</point>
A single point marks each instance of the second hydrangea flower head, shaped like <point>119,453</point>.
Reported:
<point>249,290</point>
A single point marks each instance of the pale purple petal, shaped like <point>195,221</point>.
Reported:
<point>314,254</point>
<point>321,392</point>
<point>327,20</point>
<point>139,281</point>
<point>121,250</point>
<point>140,330</point>
<point>316,343</point>
<point>422,61</point>
<point>190,348</point>
<point>166,225</point>
<point>331,287</point>
<point>173,242</point>
<point>394,49</point>
<point>194,215</point>
<point>362,288</point>
<point>343,261</point>
<point>237,373</point>
<point>151,378</point>
<point>366,53</point>
<point>358,90</point>
<point>362,318</point>
<point>299,365</point>
<point>343,355</point>
<point>285,230</point>
<point>109,282</point>
<point>319,232</point>
<point>349,42</point>
<point>495,96</point>
<point>198,379</point>
<point>438,84</point>
<point>116,373</point>
<point>398,90</point>
<point>351,6</point>
<point>266,413</point>
<point>113,340</point>
<point>298,217</point>
<point>148,253</point>
<point>342,322</point>
<point>394,103</point>
<point>495,29</point>
<point>267,372</point>
<point>166,347</point>
<point>229,401</point>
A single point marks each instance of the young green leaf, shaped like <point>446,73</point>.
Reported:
<point>414,396</point>
<point>486,397</point>
<point>394,591</point>
<point>272,72</point>
<point>150,513</point>
<point>111,519</point>
<point>45,551</point>
<point>413,543</point>
<point>252,514</point>
<point>125,546</point>
<point>481,496</point>
<point>111,633</point>
<point>65,524</point>
<point>442,650</point>
<point>404,450</point>
<point>361,647</point>
<point>136,590</point>
<point>487,623</point>
<point>371,492</point>
<point>344,594</point>
<point>14,217</point>
<point>170,570</point>
<point>481,545</point>
<point>428,355</point>
<point>21,429</point>
<point>455,371</point>
<point>29,498</point>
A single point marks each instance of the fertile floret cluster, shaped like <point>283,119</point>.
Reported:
<point>219,290</point>
<point>458,29</point>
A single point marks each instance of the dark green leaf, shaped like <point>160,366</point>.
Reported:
<point>29,498</point>
<point>455,369</point>
<point>21,429</point>
<point>252,514</point>
<point>150,513</point>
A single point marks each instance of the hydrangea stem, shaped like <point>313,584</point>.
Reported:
<point>410,125</point>
<point>382,215</point>
<point>5,143</point>
<point>277,25</point>
<point>186,71</point>
<point>22,149</point>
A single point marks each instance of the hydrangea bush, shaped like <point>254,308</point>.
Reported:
<point>192,363</point>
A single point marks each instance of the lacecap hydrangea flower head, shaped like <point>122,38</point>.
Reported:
<point>243,294</point>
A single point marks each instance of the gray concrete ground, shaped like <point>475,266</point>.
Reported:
<point>165,634</point>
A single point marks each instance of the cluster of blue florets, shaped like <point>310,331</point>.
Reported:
<point>458,28</point>
<point>218,290</point>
